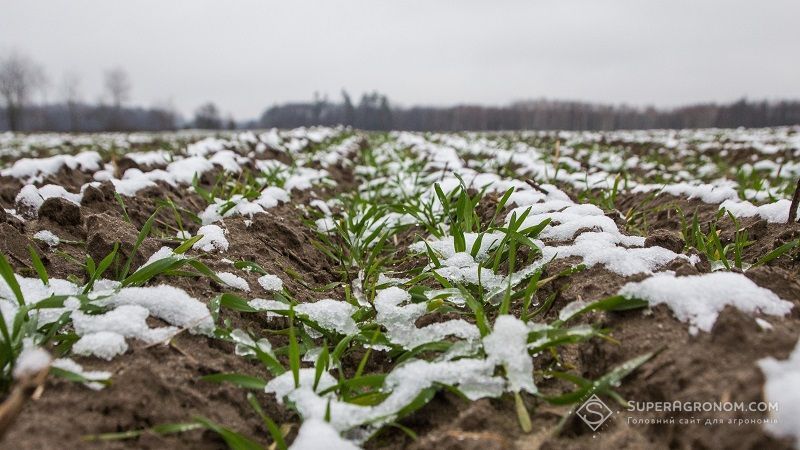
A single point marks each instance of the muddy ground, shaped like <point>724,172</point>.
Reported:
<point>153,385</point>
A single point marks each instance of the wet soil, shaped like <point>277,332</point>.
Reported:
<point>159,384</point>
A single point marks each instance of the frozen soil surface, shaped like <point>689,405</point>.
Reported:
<point>154,384</point>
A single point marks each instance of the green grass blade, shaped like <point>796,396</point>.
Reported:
<point>8,275</point>
<point>272,427</point>
<point>778,252</point>
<point>243,381</point>
<point>143,233</point>
<point>294,350</point>
<point>38,265</point>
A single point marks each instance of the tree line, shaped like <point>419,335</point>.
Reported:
<point>374,112</point>
<point>22,78</point>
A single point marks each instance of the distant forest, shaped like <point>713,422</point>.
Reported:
<point>21,78</point>
<point>374,112</point>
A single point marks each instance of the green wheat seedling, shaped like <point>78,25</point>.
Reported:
<point>24,323</point>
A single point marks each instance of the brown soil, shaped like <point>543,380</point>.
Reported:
<point>161,384</point>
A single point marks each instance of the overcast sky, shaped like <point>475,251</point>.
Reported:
<point>247,55</point>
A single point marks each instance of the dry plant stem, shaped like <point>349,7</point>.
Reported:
<point>20,393</point>
<point>795,203</point>
<point>532,183</point>
<point>556,155</point>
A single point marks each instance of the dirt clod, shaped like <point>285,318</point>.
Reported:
<point>104,230</point>
<point>61,211</point>
<point>665,238</point>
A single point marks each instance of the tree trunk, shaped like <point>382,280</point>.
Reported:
<point>13,117</point>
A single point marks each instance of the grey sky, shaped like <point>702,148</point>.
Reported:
<point>247,55</point>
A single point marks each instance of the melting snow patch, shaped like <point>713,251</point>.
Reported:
<point>270,283</point>
<point>708,193</point>
<point>399,321</point>
<point>168,303</point>
<point>213,239</point>
<point>507,346</point>
<point>125,321</point>
<point>446,245</point>
<point>461,268</point>
<point>34,290</point>
<point>47,237</point>
<point>95,377</point>
<point>105,344</point>
<point>782,385</point>
<point>30,361</point>
<point>698,299</point>
<point>184,170</point>
<point>777,212</point>
<point>315,434</point>
<point>603,248</point>
<point>473,377</point>
<point>35,169</point>
<point>268,306</point>
<point>763,324</point>
<point>331,315</point>
<point>234,281</point>
<point>162,253</point>
<point>130,187</point>
<point>283,384</point>
<point>245,345</point>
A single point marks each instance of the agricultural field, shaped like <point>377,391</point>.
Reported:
<point>332,288</point>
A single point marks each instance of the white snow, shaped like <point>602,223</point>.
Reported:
<point>317,434</point>
<point>698,299</point>
<point>31,360</point>
<point>462,268</point>
<point>33,170</point>
<point>397,315</point>
<point>782,385</point>
<point>213,239</point>
<point>184,170</point>
<point>763,324</point>
<point>162,253</point>
<point>130,187</point>
<point>95,377</point>
<point>283,384</point>
<point>126,320</point>
<point>48,237</point>
<point>473,377</point>
<point>245,345</point>
<point>507,345</point>
<point>604,248</point>
<point>169,303</point>
<point>270,282</point>
<point>234,281</point>
<point>34,290</point>
<point>331,315</point>
<point>103,344</point>
<point>103,335</point>
<point>777,212</point>
<point>28,201</point>
<point>446,246</point>
<point>708,193</point>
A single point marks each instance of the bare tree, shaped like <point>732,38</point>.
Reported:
<point>118,86</point>
<point>118,90</point>
<point>19,78</point>
<point>207,117</point>
<point>71,94</point>
<point>164,115</point>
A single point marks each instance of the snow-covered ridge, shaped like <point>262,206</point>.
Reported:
<point>229,154</point>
